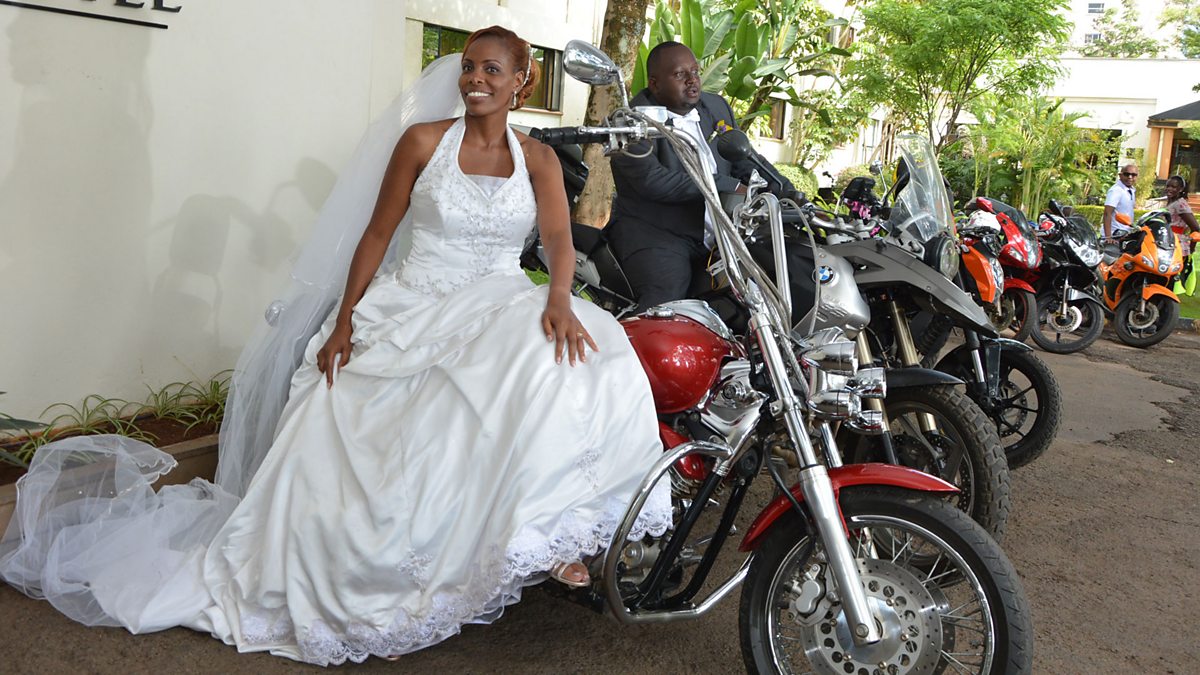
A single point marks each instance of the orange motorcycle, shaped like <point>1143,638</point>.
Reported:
<point>1136,276</point>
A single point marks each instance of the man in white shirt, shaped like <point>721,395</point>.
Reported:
<point>1119,200</point>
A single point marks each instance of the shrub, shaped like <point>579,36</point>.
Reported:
<point>803,179</point>
<point>1095,214</point>
<point>845,175</point>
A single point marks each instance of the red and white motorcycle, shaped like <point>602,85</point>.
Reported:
<point>860,568</point>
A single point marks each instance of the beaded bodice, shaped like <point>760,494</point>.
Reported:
<point>462,233</point>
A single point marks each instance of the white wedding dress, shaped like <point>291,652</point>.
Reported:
<point>452,462</point>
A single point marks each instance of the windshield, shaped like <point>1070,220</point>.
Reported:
<point>922,207</point>
<point>1163,236</point>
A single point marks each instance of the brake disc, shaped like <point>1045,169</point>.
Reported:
<point>1066,320</point>
<point>907,614</point>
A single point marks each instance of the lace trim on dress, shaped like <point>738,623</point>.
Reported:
<point>498,583</point>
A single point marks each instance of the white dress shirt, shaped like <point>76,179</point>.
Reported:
<point>690,125</point>
<point>1120,197</point>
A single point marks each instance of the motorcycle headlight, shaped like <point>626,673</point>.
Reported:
<point>1165,260</point>
<point>1087,252</point>
<point>942,255</point>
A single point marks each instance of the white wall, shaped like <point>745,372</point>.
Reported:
<point>154,184</point>
<point>1123,93</point>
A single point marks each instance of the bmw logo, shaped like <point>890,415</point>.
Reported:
<point>824,274</point>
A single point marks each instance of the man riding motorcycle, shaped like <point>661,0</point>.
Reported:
<point>659,230</point>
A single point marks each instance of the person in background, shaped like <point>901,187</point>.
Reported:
<point>1183,220</point>
<point>1120,199</point>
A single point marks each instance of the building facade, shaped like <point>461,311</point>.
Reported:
<point>161,163</point>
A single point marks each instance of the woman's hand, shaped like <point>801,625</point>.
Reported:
<point>564,329</point>
<point>336,352</point>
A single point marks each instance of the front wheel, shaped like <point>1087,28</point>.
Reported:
<point>964,450</point>
<point>1139,326</point>
<point>1027,408</point>
<point>945,596</point>
<point>1066,328</point>
<point>1019,307</point>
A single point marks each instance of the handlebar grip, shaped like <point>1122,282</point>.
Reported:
<point>555,136</point>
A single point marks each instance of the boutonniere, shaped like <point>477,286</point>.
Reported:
<point>723,126</point>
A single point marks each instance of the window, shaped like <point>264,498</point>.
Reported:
<point>1095,8</point>
<point>778,120</point>
<point>1090,38</point>
<point>438,41</point>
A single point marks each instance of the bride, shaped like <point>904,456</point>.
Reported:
<point>452,433</point>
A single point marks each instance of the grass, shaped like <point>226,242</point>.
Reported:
<point>1189,306</point>
<point>189,403</point>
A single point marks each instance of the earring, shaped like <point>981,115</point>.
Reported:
<point>514,103</point>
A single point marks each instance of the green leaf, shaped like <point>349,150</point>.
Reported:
<point>740,85</point>
<point>691,20</point>
<point>722,24</point>
<point>639,70</point>
<point>771,67</point>
<point>745,43</point>
<point>716,74</point>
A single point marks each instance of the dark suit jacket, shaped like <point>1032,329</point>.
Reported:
<point>656,200</point>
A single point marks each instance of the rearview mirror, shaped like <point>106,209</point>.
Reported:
<point>1123,218</point>
<point>585,63</point>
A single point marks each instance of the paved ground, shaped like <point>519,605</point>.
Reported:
<point>1104,533</point>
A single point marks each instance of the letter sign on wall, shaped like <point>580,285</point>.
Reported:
<point>148,13</point>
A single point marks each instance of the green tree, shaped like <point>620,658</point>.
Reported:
<point>1121,36</point>
<point>929,60</point>
<point>836,111</point>
<point>1183,16</point>
<point>753,52</point>
<point>1030,150</point>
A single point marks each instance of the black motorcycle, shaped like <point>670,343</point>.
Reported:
<point>1070,315</point>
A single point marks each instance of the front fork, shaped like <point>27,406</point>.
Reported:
<point>818,489</point>
<point>907,350</point>
<point>865,356</point>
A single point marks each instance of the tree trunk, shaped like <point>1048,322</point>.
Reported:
<point>624,24</point>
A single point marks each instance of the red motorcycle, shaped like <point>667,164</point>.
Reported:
<point>1020,255</point>
<point>858,568</point>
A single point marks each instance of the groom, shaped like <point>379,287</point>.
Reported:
<point>659,227</point>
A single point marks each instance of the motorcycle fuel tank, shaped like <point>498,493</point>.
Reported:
<point>681,357</point>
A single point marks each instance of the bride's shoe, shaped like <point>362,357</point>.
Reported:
<point>573,574</point>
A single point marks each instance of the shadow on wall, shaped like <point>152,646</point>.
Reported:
<point>201,234</point>
<point>75,203</point>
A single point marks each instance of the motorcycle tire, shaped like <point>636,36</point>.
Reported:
<point>788,569</point>
<point>982,475</point>
<point>1025,314</point>
<point>1090,327</point>
<point>1167,315</point>
<point>1026,427</point>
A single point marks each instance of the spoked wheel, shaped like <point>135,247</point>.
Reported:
<point>965,450</point>
<point>1028,406</point>
<point>1065,328</point>
<point>943,594</point>
<point>1018,309</point>
<point>1143,325</point>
